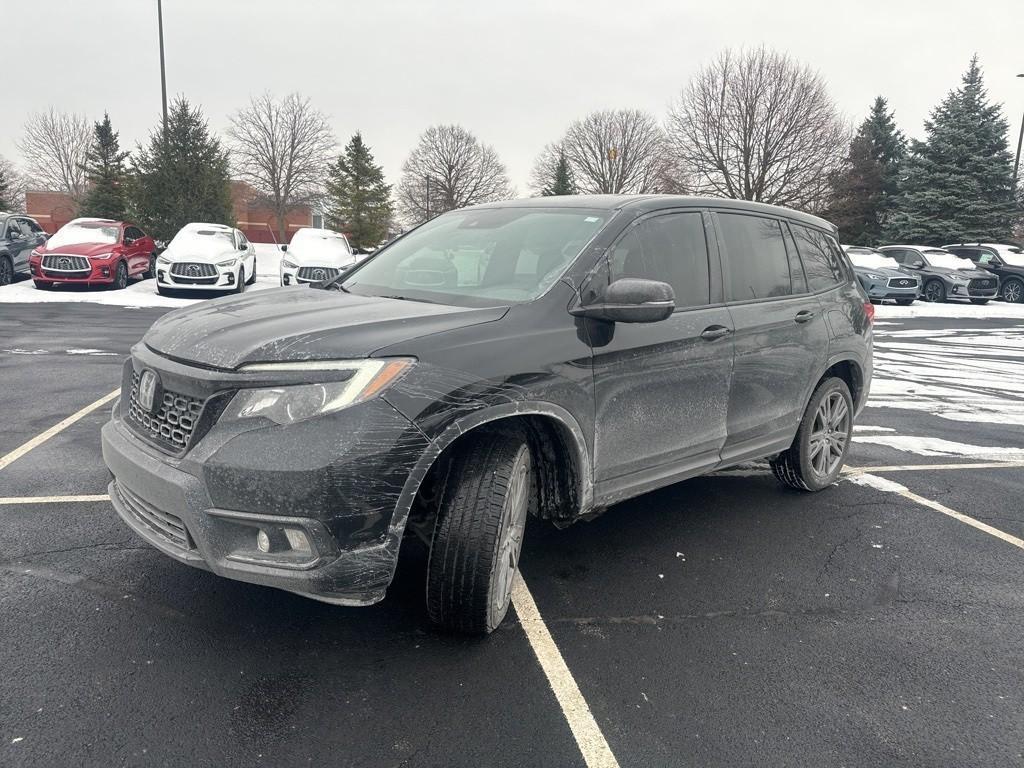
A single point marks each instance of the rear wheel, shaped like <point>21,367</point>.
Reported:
<point>934,291</point>
<point>474,554</point>
<point>1013,291</point>
<point>120,277</point>
<point>6,271</point>
<point>979,301</point>
<point>151,269</point>
<point>818,452</point>
<point>904,302</point>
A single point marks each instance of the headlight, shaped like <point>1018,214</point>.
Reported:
<point>289,404</point>
<point>103,256</point>
<point>288,265</point>
<point>873,276</point>
<point>227,262</point>
<point>960,279</point>
<point>162,260</point>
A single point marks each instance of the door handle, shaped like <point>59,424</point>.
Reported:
<point>803,316</point>
<point>713,332</point>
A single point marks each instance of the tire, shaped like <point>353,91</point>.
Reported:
<point>934,291</point>
<point>979,301</point>
<point>253,278</point>
<point>1013,291</point>
<point>6,271</point>
<point>800,466</point>
<point>42,286</point>
<point>120,277</point>
<point>240,281</point>
<point>474,552</point>
<point>904,302</point>
<point>151,270</point>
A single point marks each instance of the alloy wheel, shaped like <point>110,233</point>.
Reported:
<point>933,291</point>
<point>6,272</point>
<point>830,433</point>
<point>510,542</point>
<point>1013,292</point>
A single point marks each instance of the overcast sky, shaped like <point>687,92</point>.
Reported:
<point>515,73</point>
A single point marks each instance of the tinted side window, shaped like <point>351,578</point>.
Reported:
<point>895,253</point>
<point>823,266</point>
<point>756,264</point>
<point>33,226</point>
<point>671,248</point>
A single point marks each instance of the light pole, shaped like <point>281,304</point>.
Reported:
<point>1016,161</point>
<point>163,74</point>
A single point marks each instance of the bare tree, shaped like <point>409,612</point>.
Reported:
<point>281,148</point>
<point>449,169</point>
<point>12,187</point>
<point>758,125</point>
<point>618,151</point>
<point>54,146</point>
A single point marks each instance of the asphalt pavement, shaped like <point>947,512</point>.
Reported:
<point>722,621</point>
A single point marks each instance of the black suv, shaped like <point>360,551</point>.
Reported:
<point>550,356</point>
<point>1005,261</point>
<point>18,236</point>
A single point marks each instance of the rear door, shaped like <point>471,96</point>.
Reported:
<point>35,238</point>
<point>781,337</point>
<point>662,388</point>
<point>20,241</point>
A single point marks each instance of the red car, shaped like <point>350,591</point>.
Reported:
<point>94,252</point>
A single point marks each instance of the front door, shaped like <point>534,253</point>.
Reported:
<point>661,388</point>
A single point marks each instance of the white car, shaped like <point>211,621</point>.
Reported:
<point>314,255</point>
<point>206,257</point>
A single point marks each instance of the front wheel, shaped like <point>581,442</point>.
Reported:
<point>240,281</point>
<point>252,279</point>
<point>818,452</point>
<point>1013,291</point>
<point>979,301</point>
<point>6,271</point>
<point>904,302</point>
<point>151,269</point>
<point>120,277</point>
<point>934,291</point>
<point>474,554</point>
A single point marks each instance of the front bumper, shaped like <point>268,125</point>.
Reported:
<point>337,480</point>
<point>226,279</point>
<point>291,276</point>
<point>101,272</point>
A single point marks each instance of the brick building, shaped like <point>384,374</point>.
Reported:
<point>55,209</point>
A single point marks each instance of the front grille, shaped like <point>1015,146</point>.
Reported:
<point>316,274</point>
<point>172,426</point>
<point>58,262</point>
<point>164,524</point>
<point>193,269</point>
<point>982,284</point>
<point>903,282</point>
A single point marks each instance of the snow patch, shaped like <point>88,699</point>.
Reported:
<point>878,483</point>
<point>936,446</point>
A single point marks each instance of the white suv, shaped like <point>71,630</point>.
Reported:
<point>314,255</point>
<point>206,257</point>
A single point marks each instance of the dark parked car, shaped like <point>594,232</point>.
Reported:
<point>1005,261</point>
<point>944,275</point>
<point>550,356</point>
<point>881,277</point>
<point>18,236</point>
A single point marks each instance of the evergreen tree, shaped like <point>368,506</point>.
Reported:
<point>105,172</point>
<point>359,201</point>
<point>6,204</point>
<point>562,182</point>
<point>864,191</point>
<point>182,176</point>
<point>957,184</point>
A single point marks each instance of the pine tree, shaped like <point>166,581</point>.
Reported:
<point>863,192</point>
<point>562,182</point>
<point>182,176</point>
<point>359,201</point>
<point>105,197</point>
<point>6,204</point>
<point>957,184</point>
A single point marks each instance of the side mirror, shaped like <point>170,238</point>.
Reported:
<point>284,249</point>
<point>243,247</point>
<point>129,241</point>
<point>631,300</point>
<point>915,264</point>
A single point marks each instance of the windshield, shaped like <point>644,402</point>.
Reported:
<point>1012,256</point>
<point>202,236</point>
<point>868,259</point>
<point>318,242</point>
<point>480,257</point>
<point>77,233</point>
<point>937,258</point>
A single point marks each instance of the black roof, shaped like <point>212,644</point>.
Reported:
<point>647,203</point>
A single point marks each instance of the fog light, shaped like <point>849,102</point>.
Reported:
<point>287,279</point>
<point>263,541</point>
<point>106,271</point>
<point>297,541</point>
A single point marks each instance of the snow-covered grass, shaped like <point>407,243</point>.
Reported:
<point>140,293</point>
<point>953,309</point>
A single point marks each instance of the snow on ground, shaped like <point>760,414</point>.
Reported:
<point>140,293</point>
<point>953,309</point>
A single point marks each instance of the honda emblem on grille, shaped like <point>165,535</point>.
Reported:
<point>150,394</point>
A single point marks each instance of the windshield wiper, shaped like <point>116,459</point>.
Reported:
<point>334,285</point>
<point>406,298</point>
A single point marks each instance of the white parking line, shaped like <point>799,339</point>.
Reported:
<point>595,750</point>
<point>926,467</point>
<point>52,499</point>
<point>38,440</point>
<point>882,484</point>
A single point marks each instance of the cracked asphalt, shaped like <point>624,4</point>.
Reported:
<point>722,621</point>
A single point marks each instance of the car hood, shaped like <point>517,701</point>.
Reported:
<point>970,274</point>
<point>81,249</point>
<point>287,324</point>
<point>316,255</point>
<point>884,271</point>
<point>202,252</point>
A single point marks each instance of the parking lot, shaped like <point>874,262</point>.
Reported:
<point>721,621</point>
